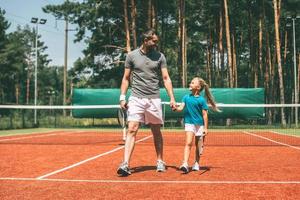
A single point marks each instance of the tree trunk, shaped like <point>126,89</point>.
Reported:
<point>149,21</point>
<point>260,44</point>
<point>228,41</point>
<point>234,67</point>
<point>267,78</point>
<point>253,68</point>
<point>220,46</point>
<point>128,48</point>
<point>153,15</point>
<point>182,41</point>
<point>17,93</point>
<point>27,87</point>
<point>183,45</point>
<point>208,57</point>
<point>179,35</point>
<point>277,44</point>
<point>285,46</point>
<point>133,23</point>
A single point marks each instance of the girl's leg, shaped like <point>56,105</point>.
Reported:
<point>188,145</point>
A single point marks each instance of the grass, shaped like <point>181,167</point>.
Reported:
<point>24,131</point>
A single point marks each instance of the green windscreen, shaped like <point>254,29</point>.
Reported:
<point>221,95</point>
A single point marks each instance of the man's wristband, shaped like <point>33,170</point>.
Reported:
<point>122,97</point>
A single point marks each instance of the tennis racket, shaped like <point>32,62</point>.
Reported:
<point>202,139</point>
<point>122,120</point>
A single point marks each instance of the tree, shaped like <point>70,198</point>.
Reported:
<point>4,25</point>
<point>228,43</point>
<point>276,4</point>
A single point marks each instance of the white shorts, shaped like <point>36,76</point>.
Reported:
<point>144,110</point>
<point>196,129</point>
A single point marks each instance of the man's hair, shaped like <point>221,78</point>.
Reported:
<point>148,34</point>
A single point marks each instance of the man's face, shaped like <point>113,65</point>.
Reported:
<point>151,43</point>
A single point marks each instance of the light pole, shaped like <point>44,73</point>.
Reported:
<point>65,65</point>
<point>36,21</point>
<point>295,68</point>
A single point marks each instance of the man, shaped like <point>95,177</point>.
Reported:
<point>144,104</point>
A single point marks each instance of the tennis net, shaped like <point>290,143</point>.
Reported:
<point>236,124</point>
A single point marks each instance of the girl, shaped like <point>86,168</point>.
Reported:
<point>195,120</point>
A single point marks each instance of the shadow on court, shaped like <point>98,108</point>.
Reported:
<point>139,169</point>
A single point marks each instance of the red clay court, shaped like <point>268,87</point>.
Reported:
<point>81,164</point>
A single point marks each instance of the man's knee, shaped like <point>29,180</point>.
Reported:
<point>189,144</point>
<point>133,128</point>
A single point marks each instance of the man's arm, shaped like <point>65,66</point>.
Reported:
<point>168,86</point>
<point>124,87</point>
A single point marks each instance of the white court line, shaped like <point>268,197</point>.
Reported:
<point>296,136</point>
<point>38,136</point>
<point>150,181</point>
<point>283,144</point>
<point>89,159</point>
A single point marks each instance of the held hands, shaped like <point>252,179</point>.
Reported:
<point>173,105</point>
<point>175,108</point>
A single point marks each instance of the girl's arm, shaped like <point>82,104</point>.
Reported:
<point>179,108</point>
<point>205,120</point>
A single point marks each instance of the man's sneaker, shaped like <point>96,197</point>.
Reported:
<point>185,168</point>
<point>196,167</point>
<point>160,166</point>
<point>123,169</point>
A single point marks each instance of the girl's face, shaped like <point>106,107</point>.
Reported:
<point>194,85</point>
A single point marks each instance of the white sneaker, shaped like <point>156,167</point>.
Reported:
<point>123,169</point>
<point>184,168</point>
<point>160,166</point>
<point>196,167</point>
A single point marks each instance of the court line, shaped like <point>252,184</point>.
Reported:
<point>37,136</point>
<point>283,144</point>
<point>89,159</point>
<point>149,181</point>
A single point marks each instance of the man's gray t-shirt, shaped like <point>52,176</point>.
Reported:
<point>145,71</point>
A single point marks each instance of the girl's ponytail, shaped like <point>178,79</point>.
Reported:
<point>208,94</point>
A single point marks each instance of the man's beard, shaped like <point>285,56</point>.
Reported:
<point>152,47</point>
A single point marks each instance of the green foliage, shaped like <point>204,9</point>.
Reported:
<point>100,24</point>
<point>17,56</point>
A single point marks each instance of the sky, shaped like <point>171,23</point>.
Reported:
<point>20,12</point>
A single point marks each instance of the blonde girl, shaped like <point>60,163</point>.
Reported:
<point>196,120</point>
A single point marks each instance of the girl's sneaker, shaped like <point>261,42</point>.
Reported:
<point>196,167</point>
<point>185,168</point>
